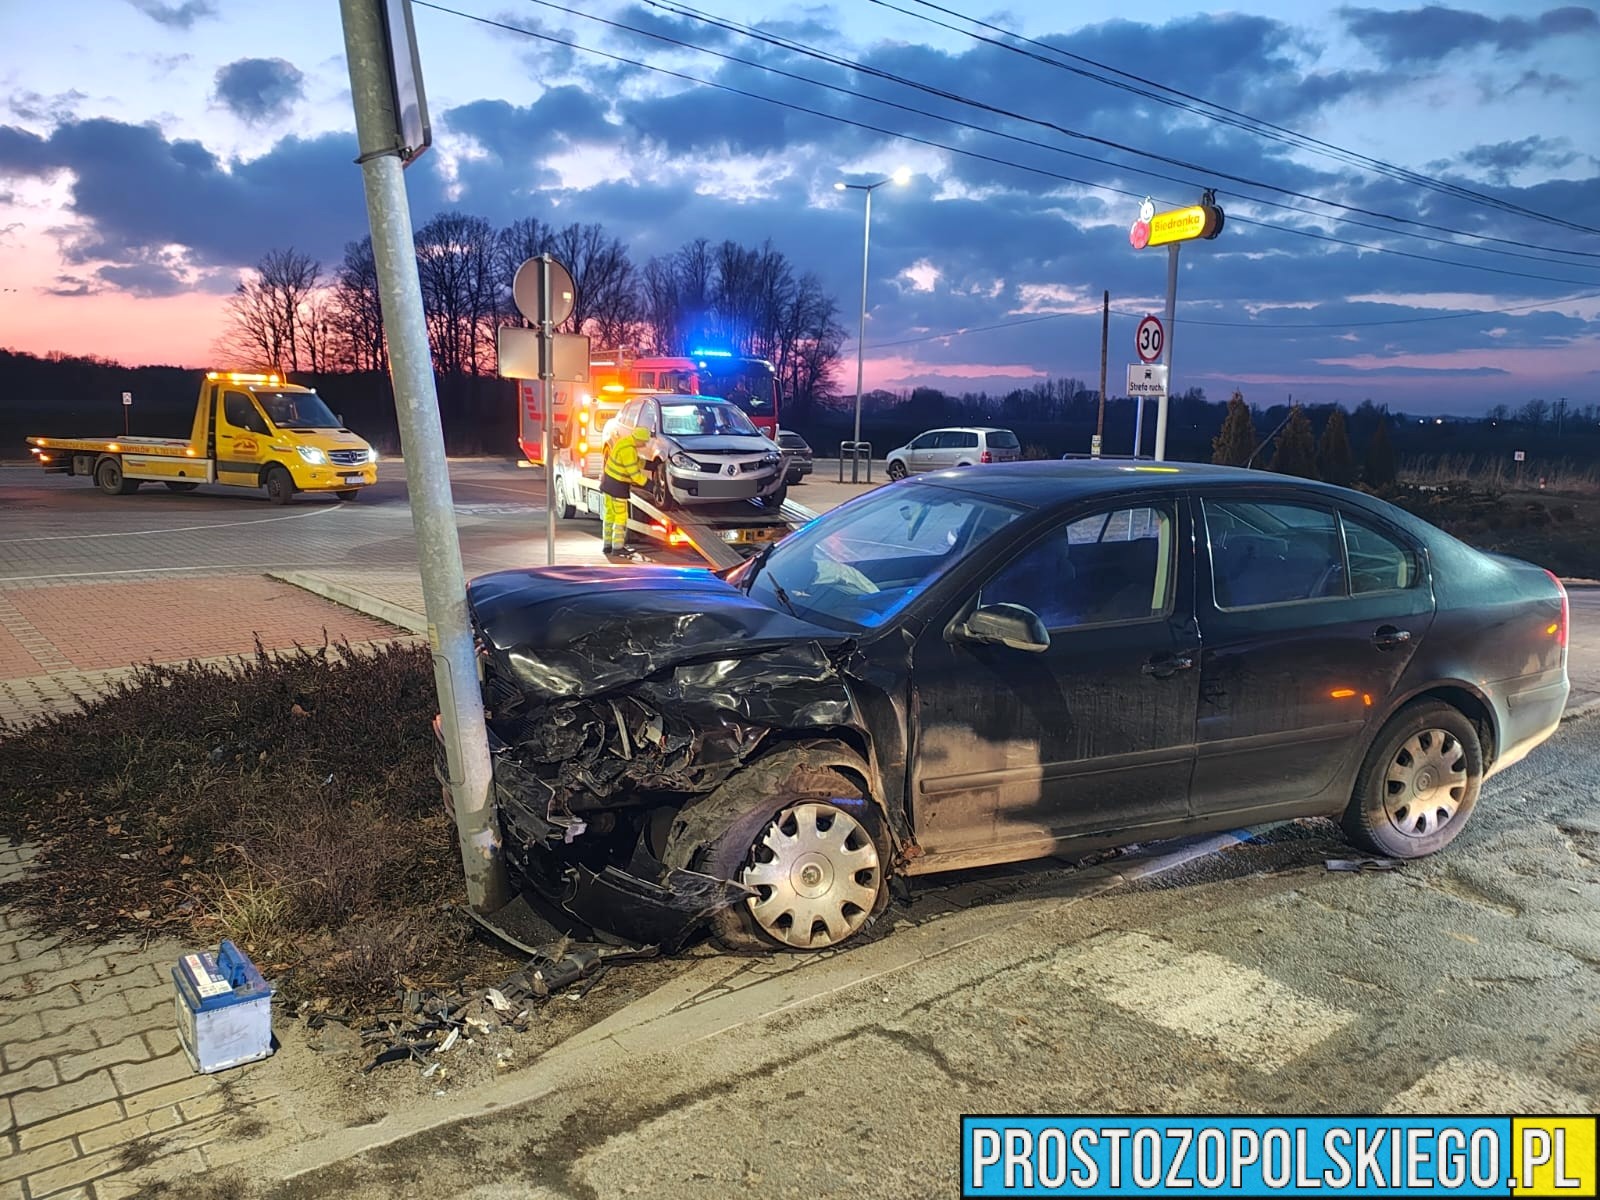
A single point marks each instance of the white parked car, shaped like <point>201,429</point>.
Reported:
<point>958,447</point>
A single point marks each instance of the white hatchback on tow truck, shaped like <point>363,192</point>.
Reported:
<point>703,450</point>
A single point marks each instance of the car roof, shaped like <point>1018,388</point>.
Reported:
<point>1046,482</point>
<point>966,429</point>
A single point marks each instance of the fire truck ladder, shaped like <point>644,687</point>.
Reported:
<point>723,536</point>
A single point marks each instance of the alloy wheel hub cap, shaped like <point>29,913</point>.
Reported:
<point>815,872</point>
<point>1425,783</point>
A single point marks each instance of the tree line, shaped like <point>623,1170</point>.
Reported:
<point>295,313</point>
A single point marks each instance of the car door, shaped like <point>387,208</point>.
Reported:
<point>1309,617</point>
<point>919,455</point>
<point>242,438</point>
<point>1015,749</point>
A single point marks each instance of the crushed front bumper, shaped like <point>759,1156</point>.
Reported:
<point>641,900</point>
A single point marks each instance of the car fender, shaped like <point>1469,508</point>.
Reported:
<point>810,765</point>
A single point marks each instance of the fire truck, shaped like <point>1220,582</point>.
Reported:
<point>723,534</point>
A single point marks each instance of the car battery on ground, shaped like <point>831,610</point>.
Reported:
<point>224,1009</point>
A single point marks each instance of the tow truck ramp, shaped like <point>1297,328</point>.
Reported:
<point>724,534</point>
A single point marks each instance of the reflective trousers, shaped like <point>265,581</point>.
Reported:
<point>614,523</point>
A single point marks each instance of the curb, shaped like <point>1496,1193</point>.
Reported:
<point>662,1020</point>
<point>361,602</point>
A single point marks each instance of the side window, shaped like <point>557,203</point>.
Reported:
<point>650,417</point>
<point>1110,567</point>
<point>241,414</point>
<point>925,441</point>
<point>966,441</point>
<point>647,379</point>
<point>1273,553</point>
<point>1378,563</point>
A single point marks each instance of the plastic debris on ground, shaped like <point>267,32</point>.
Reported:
<point>429,1023</point>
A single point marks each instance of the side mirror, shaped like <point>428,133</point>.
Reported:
<point>1010,625</point>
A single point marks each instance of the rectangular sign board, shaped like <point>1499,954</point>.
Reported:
<point>1184,224</point>
<point>518,353</point>
<point>1147,379</point>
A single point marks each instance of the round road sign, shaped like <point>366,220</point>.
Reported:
<point>1150,339</point>
<point>525,291</point>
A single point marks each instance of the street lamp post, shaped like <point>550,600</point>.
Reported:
<point>900,176</point>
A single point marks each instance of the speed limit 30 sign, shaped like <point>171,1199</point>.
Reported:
<point>1150,339</point>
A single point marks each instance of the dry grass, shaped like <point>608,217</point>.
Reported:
<point>1500,473</point>
<point>285,800</point>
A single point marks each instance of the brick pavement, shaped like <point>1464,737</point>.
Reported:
<point>96,1098</point>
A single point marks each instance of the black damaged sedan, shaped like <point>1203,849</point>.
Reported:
<point>980,667</point>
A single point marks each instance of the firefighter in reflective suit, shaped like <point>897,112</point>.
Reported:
<point>622,471</point>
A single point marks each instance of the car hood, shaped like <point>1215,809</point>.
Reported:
<point>722,443</point>
<point>579,631</point>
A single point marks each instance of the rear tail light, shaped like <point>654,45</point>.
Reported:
<point>985,457</point>
<point>1566,611</point>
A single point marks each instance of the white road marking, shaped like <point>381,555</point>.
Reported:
<point>1252,1019</point>
<point>83,537</point>
<point>1468,1085</point>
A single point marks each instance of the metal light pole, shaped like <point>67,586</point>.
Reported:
<point>900,176</point>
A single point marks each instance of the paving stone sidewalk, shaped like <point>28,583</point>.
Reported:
<point>96,1097</point>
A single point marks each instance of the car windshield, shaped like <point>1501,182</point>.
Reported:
<point>297,410</point>
<point>856,567</point>
<point>691,420</point>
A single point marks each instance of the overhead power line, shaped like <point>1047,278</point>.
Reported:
<point>1177,98</point>
<point>802,48</point>
<point>946,147</point>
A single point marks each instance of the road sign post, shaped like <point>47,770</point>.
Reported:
<point>127,405</point>
<point>1171,229</point>
<point>1144,381</point>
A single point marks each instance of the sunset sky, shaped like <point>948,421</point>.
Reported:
<point>150,150</point>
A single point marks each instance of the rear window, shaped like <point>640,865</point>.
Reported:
<point>1004,439</point>
<point>791,441</point>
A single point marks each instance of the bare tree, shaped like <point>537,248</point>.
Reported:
<point>356,311</point>
<point>264,310</point>
<point>605,304</point>
<point>525,238</point>
<point>456,262</point>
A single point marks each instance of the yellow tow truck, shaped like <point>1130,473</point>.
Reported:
<point>249,431</point>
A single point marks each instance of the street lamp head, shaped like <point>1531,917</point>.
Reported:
<point>902,175</point>
<point>840,186</point>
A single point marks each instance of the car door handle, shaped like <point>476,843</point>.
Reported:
<point>1165,666</point>
<point>1388,637</point>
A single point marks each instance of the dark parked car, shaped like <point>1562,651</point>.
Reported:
<point>978,667</point>
<point>797,454</point>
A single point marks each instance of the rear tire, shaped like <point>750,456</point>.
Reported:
<point>279,485</point>
<point>176,485</point>
<point>1419,783</point>
<point>775,499</point>
<point>897,470</point>
<point>564,507</point>
<point>108,475</point>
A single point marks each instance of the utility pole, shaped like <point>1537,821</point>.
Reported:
<point>1105,338</point>
<point>422,442</point>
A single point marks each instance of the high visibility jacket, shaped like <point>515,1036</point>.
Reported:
<point>622,465</point>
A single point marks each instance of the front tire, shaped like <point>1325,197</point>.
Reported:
<point>774,500</point>
<point>897,470</point>
<point>564,507</point>
<point>818,867</point>
<point>1419,783</point>
<point>660,490</point>
<point>280,485</point>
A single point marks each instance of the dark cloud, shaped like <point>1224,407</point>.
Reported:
<point>260,89</point>
<point>34,106</point>
<point>72,286</point>
<point>135,191</point>
<point>1502,158</point>
<point>1432,33</point>
<point>181,15</point>
<point>146,279</point>
<point>1543,82</point>
<point>562,115</point>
